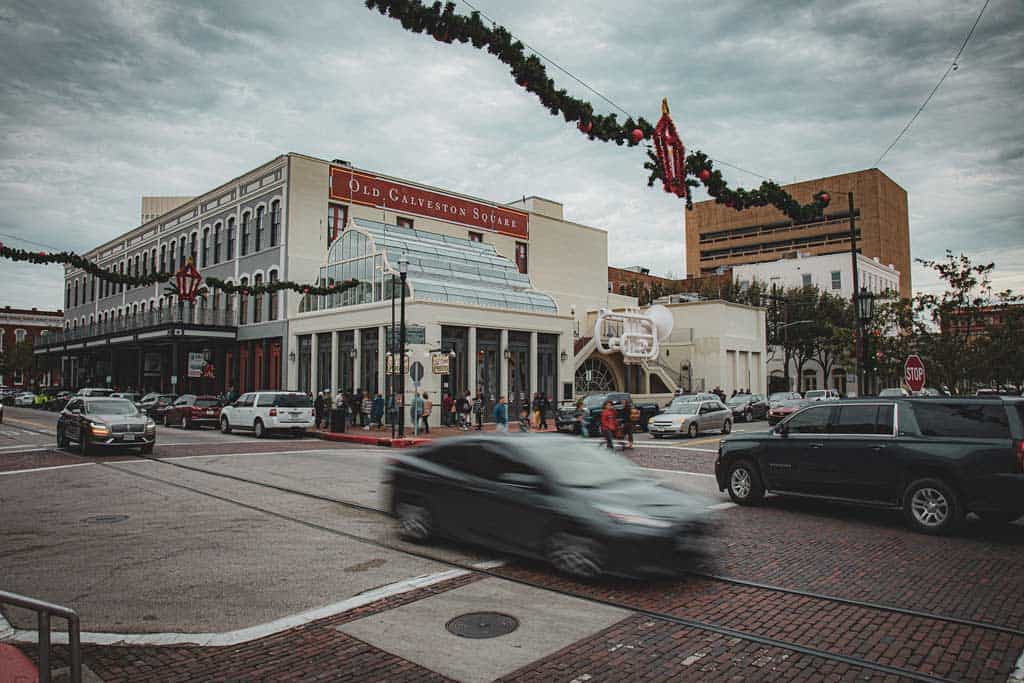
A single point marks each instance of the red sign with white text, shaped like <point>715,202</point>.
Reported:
<point>360,188</point>
<point>913,373</point>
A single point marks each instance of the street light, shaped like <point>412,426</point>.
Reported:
<point>403,271</point>
<point>865,301</point>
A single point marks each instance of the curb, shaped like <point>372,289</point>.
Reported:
<point>371,440</point>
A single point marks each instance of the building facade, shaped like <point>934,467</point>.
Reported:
<point>18,325</point>
<point>154,207</point>
<point>832,273</point>
<point>719,237</point>
<point>489,282</point>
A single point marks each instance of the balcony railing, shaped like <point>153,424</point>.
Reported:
<point>198,316</point>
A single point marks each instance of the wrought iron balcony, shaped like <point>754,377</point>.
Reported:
<point>166,318</point>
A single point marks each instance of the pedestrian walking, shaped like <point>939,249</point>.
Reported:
<point>580,415</point>
<point>545,408</point>
<point>377,414</point>
<point>609,424</point>
<point>632,419</point>
<point>318,409</point>
<point>524,419</point>
<point>365,409</point>
<point>535,404</point>
<point>478,411</point>
<point>416,410</point>
<point>501,414</point>
<point>464,407</point>
<point>447,410</point>
<point>428,406</point>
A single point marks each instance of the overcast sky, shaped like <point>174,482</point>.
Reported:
<point>106,101</point>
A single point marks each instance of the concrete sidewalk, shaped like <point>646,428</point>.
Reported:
<point>382,437</point>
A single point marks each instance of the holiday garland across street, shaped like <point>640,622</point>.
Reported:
<point>71,259</point>
<point>528,71</point>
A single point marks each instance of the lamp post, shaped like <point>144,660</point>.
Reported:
<point>391,372</point>
<point>403,270</point>
<point>865,309</point>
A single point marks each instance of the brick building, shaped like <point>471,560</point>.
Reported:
<point>18,325</point>
<point>621,280</point>
<point>717,236</point>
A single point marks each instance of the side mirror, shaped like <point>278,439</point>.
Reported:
<point>782,429</point>
<point>523,481</point>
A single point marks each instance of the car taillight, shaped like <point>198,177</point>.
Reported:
<point>1020,456</point>
<point>273,412</point>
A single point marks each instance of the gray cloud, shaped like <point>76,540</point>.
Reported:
<point>105,101</point>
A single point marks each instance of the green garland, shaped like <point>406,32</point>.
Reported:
<point>278,285</point>
<point>71,259</point>
<point>444,25</point>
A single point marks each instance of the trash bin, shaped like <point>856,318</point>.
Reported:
<point>337,420</point>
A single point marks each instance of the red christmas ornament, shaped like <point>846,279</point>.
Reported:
<point>188,279</point>
<point>305,290</point>
<point>704,175</point>
<point>637,134</point>
<point>728,202</point>
<point>824,197</point>
<point>585,126</point>
<point>521,82</point>
<point>671,153</point>
<point>43,254</point>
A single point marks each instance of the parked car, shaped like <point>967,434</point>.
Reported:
<point>100,391</point>
<point>266,411</point>
<point>127,395</point>
<point>822,395</point>
<point>691,418</point>
<point>565,417</point>
<point>103,423</point>
<point>747,407</point>
<point>893,392</point>
<point>25,399</point>
<point>779,410</point>
<point>935,458</point>
<point>594,404</point>
<point>699,396</point>
<point>1,413</point>
<point>155,404</point>
<point>586,511</point>
<point>58,401</point>
<point>190,411</point>
<point>784,396</point>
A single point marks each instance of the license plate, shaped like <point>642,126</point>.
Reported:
<point>209,412</point>
<point>295,414</point>
<point>129,437</point>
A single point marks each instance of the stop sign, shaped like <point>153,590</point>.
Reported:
<point>913,373</point>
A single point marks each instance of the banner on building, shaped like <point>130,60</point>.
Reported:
<point>196,362</point>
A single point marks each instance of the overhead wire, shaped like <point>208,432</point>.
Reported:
<point>953,66</point>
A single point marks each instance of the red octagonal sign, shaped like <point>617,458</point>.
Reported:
<point>913,373</point>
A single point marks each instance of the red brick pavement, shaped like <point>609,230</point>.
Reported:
<point>676,459</point>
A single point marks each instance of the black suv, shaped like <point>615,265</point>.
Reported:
<point>565,419</point>
<point>937,459</point>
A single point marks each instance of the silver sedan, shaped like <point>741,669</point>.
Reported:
<point>691,418</point>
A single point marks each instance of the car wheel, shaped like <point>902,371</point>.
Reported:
<point>999,517</point>
<point>931,506</point>
<point>692,430</point>
<point>415,523</point>
<point>575,555</point>
<point>727,426</point>
<point>745,487</point>
<point>225,427</point>
<point>258,429</point>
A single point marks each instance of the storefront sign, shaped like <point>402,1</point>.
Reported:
<point>391,363</point>
<point>361,188</point>
<point>440,363</point>
<point>195,364</point>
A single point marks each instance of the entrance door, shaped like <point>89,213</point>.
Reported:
<point>274,373</point>
<point>258,367</point>
<point>243,370</point>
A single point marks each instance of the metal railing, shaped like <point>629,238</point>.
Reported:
<point>43,612</point>
<point>186,315</point>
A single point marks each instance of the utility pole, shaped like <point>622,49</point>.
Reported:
<point>859,345</point>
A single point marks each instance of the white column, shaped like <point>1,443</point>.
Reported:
<point>737,382</point>
<point>472,364</point>
<point>381,350</point>
<point>357,342</point>
<point>503,365</point>
<point>533,365</point>
<point>313,388</point>
<point>334,366</point>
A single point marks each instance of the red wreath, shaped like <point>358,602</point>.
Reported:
<point>671,153</point>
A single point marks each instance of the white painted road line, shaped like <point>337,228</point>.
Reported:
<point>45,469</point>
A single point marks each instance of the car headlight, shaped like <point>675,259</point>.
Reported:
<point>99,429</point>
<point>150,426</point>
<point>627,516</point>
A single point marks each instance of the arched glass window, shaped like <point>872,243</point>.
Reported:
<point>259,228</point>
<point>231,239</point>
<point>275,223</point>
<point>173,262</point>
<point>243,303</point>
<point>137,271</point>
<point>193,254</point>
<point>257,310</point>
<point>76,293</point>
<point>182,259</point>
<point>272,315</point>
<point>163,257</point>
<point>206,247</point>
<point>216,243</point>
<point>243,239</point>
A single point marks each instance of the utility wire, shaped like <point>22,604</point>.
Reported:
<point>22,239</point>
<point>951,68</point>
<point>587,85</point>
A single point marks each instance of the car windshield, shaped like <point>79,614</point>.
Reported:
<point>111,407</point>
<point>150,397</point>
<point>293,401</point>
<point>816,393</point>
<point>595,401</point>
<point>579,465</point>
<point>207,402</point>
<point>780,396</point>
<point>685,408</point>
<point>738,400</point>
<point>891,392</point>
<point>167,398</point>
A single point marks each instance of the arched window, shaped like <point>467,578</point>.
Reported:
<point>216,244</point>
<point>163,257</point>
<point>120,287</point>
<point>192,249</point>
<point>182,259</point>
<point>257,311</point>
<point>231,239</point>
<point>272,314</point>
<point>145,264</point>
<point>19,335</point>
<point>206,247</point>
<point>243,239</point>
<point>243,303</point>
<point>137,271</point>
<point>259,228</point>
<point>173,267</point>
<point>275,223</point>
<point>67,296</point>
<point>76,293</point>
<point>135,310</point>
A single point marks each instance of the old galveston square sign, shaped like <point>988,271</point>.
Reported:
<point>360,188</point>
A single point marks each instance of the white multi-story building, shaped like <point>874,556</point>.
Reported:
<point>828,272</point>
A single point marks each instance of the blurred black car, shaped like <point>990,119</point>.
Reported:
<point>155,404</point>
<point>59,400</point>
<point>566,420</point>
<point>585,510</point>
<point>747,407</point>
<point>103,423</point>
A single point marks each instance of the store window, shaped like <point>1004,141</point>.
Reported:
<point>305,356</point>
<point>337,215</point>
<point>522,262</point>
<point>404,222</point>
<point>476,236</point>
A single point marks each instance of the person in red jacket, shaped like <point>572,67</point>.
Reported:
<point>609,423</point>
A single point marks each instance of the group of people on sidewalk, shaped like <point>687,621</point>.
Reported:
<point>357,409</point>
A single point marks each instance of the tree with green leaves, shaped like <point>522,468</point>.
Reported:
<point>18,358</point>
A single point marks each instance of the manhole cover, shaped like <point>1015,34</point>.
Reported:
<point>482,625</point>
<point>106,519</point>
